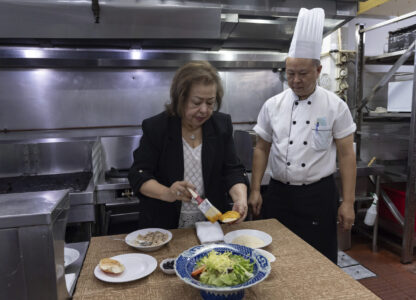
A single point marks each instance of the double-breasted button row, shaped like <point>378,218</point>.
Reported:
<point>297,102</point>
<point>303,164</point>
<point>304,142</point>
<point>307,122</point>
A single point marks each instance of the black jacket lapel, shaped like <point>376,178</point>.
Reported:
<point>175,153</point>
<point>208,149</point>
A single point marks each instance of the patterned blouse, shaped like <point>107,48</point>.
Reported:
<point>190,214</point>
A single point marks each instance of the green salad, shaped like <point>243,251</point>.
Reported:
<point>223,269</point>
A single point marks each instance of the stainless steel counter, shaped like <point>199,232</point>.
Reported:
<point>83,197</point>
<point>50,164</point>
<point>103,185</point>
<point>32,232</point>
<point>363,170</point>
<point>29,209</point>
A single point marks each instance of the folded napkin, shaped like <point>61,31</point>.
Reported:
<point>208,232</point>
<point>69,279</point>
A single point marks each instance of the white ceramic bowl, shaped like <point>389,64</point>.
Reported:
<point>131,238</point>
<point>267,255</point>
<point>167,271</point>
<point>70,256</point>
<point>265,237</point>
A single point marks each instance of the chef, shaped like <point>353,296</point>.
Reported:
<point>301,131</point>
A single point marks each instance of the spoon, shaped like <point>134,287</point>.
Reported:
<point>139,242</point>
<point>116,239</point>
<point>143,243</point>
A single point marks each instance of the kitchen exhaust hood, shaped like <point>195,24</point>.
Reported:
<point>158,24</point>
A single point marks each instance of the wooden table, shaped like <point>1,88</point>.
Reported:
<point>299,272</point>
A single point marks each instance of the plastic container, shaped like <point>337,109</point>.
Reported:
<point>398,197</point>
<point>371,214</point>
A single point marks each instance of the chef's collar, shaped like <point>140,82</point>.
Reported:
<point>310,97</point>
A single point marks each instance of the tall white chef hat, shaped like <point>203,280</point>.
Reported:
<point>307,38</point>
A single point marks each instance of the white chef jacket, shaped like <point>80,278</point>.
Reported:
<point>302,134</point>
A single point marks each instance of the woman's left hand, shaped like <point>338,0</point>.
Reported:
<point>238,193</point>
<point>241,207</point>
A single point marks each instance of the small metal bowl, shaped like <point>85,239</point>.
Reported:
<point>165,270</point>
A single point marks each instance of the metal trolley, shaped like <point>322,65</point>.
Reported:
<point>395,59</point>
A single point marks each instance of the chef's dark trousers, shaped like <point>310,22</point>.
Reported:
<point>310,211</point>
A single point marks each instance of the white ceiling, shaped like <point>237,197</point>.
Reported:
<point>393,8</point>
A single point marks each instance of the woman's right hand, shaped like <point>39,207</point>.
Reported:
<point>255,201</point>
<point>179,191</point>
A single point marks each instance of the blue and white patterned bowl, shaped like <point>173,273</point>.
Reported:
<point>185,264</point>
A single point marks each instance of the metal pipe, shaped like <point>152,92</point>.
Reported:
<point>339,39</point>
<point>410,204</point>
<point>393,209</point>
<point>363,198</point>
<point>359,66</point>
<point>95,7</point>
<point>375,228</point>
<point>324,54</point>
<point>394,20</point>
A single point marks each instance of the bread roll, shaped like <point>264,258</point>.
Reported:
<point>230,216</point>
<point>112,266</point>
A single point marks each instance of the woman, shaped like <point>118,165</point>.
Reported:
<point>188,146</point>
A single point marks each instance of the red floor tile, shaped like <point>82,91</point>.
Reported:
<point>394,280</point>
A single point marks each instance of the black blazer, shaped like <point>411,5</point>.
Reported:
<point>160,157</point>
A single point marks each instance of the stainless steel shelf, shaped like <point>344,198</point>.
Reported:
<point>388,58</point>
<point>387,115</point>
<point>383,135</point>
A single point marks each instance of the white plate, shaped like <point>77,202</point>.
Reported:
<point>70,256</point>
<point>131,237</point>
<point>270,257</point>
<point>267,239</point>
<point>136,265</point>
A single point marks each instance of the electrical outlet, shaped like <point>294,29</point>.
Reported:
<point>343,85</point>
<point>341,72</point>
<point>341,59</point>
